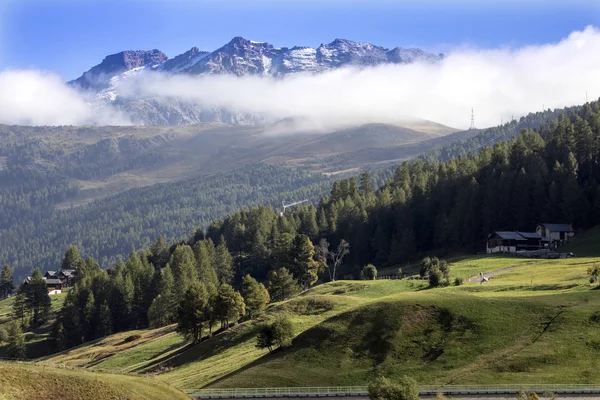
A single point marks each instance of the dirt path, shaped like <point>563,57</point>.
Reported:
<point>489,275</point>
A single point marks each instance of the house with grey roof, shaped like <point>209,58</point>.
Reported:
<point>556,234</point>
<point>512,241</point>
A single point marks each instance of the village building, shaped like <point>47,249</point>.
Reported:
<point>54,285</point>
<point>514,241</point>
<point>57,281</point>
<point>556,234</point>
<point>546,236</point>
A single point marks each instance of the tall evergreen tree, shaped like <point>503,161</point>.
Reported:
<point>223,262</point>
<point>6,281</point>
<point>16,341</point>
<point>192,312</point>
<point>37,299</point>
<point>255,295</point>
<point>282,284</point>
<point>304,267</point>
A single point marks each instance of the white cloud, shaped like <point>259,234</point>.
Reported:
<point>498,83</point>
<point>38,98</point>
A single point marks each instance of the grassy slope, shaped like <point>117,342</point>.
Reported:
<point>36,341</point>
<point>528,324</point>
<point>23,381</point>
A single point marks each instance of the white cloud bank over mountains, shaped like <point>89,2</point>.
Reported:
<point>498,83</point>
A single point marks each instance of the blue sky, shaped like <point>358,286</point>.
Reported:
<point>69,37</point>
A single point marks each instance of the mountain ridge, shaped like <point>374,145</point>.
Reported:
<point>226,59</point>
<point>239,57</point>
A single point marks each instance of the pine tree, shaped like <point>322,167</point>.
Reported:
<point>255,295</point>
<point>73,260</point>
<point>223,262</point>
<point>304,267</point>
<point>161,312</point>
<point>183,266</point>
<point>71,331</point>
<point>16,341</point>
<point>282,284</point>
<point>204,252</point>
<point>191,313</point>
<point>19,307</point>
<point>104,326</point>
<point>37,299</point>
<point>159,253</point>
<point>89,314</point>
<point>120,302</point>
<point>6,281</point>
<point>229,305</point>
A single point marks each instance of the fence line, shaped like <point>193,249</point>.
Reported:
<point>363,390</point>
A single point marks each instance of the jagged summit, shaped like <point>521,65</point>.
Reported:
<point>238,57</point>
<point>98,77</point>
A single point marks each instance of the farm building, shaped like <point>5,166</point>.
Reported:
<point>513,241</point>
<point>556,234</point>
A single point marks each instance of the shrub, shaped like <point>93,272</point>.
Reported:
<point>383,389</point>
<point>369,272</point>
<point>280,333</point>
<point>458,281</point>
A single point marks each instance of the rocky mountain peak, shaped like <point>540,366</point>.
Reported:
<point>98,77</point>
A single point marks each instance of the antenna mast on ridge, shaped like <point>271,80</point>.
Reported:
<point>472,120</point>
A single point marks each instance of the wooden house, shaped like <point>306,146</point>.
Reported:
<point>511,242</point>
<point>556,234</point>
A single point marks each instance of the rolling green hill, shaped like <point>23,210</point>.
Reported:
<point>31,382</point>
<point>532,322</point>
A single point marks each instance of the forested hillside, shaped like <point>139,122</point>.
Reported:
<point>114,226</point>
<point>549,174</point>
<point>45,173</point>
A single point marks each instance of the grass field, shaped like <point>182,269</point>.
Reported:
<point>532,322</point>
<point>31,382</point>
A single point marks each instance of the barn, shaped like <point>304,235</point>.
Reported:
<point>556,234</point>
<point>504,242</point>
<point>512,241</point>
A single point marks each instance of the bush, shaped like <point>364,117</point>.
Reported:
<point>369,272</point>
<point>383,389</point>
<point>280,333</point>
<point>458,281</point>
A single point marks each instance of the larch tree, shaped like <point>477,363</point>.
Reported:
<point>229,305</point>
<point>223,262</point>
<point>6,281</point>
<point>304,267</point>
<point>37,299</point>
<point>192,312</point>
<point>282,284</point>
<point>16,341</point>
<point>255,295</point>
